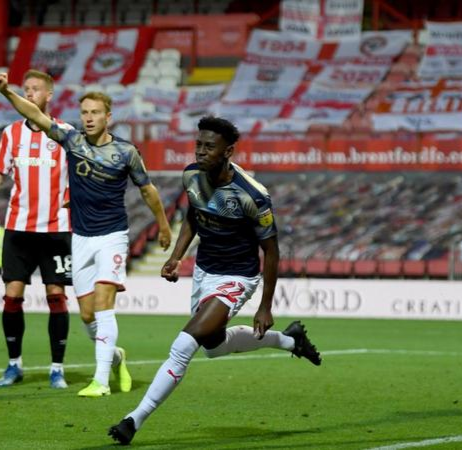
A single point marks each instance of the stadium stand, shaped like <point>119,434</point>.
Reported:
<point>333,222</point>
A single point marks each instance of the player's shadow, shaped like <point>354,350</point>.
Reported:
<point>219,437</point>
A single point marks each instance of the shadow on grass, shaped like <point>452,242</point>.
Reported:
<point>217,437</point>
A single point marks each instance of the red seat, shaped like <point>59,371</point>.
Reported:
<point>298,266</point>
<point>365,267</point>
<point>438,268</point>
<point>390,268</point>
<point>340,267</point>
<point>414,268</point>
<point>316,267</point>
<point>284,266</point>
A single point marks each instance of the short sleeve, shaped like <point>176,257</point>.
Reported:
<point>265,225</point>
<point>62,134</point>
<point>137,169</point>
<point>5,152</point>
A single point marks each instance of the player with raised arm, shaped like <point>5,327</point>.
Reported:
<point>232,215</point>
<point>99,166</point>
<point>38,230</point>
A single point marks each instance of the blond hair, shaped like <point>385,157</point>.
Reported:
<point>32,73</point>
<point>101,96</point>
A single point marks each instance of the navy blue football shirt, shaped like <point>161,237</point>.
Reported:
<point>98,178</point>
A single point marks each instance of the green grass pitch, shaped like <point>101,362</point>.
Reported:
<point>382,383</point>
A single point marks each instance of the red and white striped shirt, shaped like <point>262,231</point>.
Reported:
<point>38,167</point>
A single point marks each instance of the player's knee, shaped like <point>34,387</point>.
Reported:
<point>57,303</point>
<point>12,304</point>
<point>211,343</point>
<point>214,352</point>
<point>87,317</point>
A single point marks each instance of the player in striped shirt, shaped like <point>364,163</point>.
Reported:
<point>99,167</point>
<point>37,230</point>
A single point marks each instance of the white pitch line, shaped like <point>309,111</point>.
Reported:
<point>424,443</point>
<point>250,356</point>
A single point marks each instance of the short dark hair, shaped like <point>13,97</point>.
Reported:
<point>223,127</point>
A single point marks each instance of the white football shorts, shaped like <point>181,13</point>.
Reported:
<point>99,259</point>
<point>232,290</point>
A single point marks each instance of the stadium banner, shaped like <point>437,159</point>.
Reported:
<point>322,19</point>
<point>265,82</point>
<point>420,106</point>
<point>381,299</point>
<point>341,152</point>
<point>417,122</point>
<point>218,35</point>
<point>374,46</point>
<point>443,54</point>
<point>103,55</point>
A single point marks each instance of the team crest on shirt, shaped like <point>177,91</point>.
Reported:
<point>231,204</point>
<point>52,146</point>
<point>115,157</point>
<point>265,219</point>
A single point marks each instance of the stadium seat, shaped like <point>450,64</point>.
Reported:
<point>298,266</point>
<point>365,268</point>
<point>170,54</point>
<point>316,267</point>
<point>340,267</point>
<point>414,268</point>
<point>390,269</point>
<point>438,268</point>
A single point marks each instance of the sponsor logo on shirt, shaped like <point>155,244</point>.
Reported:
<point>21,161</point>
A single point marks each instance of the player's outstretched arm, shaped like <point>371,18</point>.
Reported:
<point>263,319</point>
<point>152,198</point>
<point>172,266</point>
<point>24,107</point>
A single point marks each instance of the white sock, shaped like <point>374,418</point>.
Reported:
<point>16,362</point>
<point>105,344</point>
<point>167,377</point>
<point>56,367</point>
<point>90,328</point>
<point>241,339</point>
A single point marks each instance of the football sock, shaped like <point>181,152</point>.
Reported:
<point>167,377</point>
<point>105,342</point>
<point>56,367</point>
<point>241,338</point>
<point>16,362</point>
<point>58,326</point>
<point>90,328</point>
<point>13,325</point>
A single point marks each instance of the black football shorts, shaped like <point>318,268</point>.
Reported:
<point>24,251</point>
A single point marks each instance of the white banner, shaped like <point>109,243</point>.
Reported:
<point>264,82</point>
<point>417,122</point>
<point>443,54</point>
<point>322,19</point>
<point>352,74</point>
<point>321,116</point>
<point>283,46</point>
<point>393,299</point>
<point>112,55</point>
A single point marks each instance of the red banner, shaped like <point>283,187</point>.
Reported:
<point>366,153</point>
